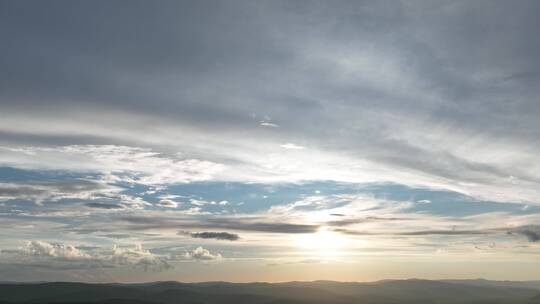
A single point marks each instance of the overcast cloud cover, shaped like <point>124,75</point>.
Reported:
<point>165,137</point>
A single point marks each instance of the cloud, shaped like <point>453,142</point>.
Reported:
<point>199,202</point>
<point>118,163</point>
<point>202,254</point>
<point>290,146</point>
<point>269,124</point>
<point>65,256</point>
<point>361,108</point>
<point>242,224</point>
<point>212,235</point>
<point>367,219</point>
<point>421,232</point>
<point>40,192</point>
<point>297,95</point>
<point>60,251</point>
<point>312,203</point>
<point>138,257</point>
<point>117,235</point>
<point>448,232</point>
<point>167,203</point>
<point>104,206</point>
<point>531,232</point>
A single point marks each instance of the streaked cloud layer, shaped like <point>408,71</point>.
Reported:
<point>163,138</point>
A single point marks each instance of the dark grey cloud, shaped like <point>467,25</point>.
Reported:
<point>102,52</point>
<point>76,185</point>
<point>448,232</point>
<point>355,220</point>
<point>532,232</point>
<point>104,206</point>
<point>241,224</point>
<point>178,41</point>
<point>212,235</point>
<point>424,232</point>
<point>276,227</point>
<point>308,66</point>
<point>20,191</point>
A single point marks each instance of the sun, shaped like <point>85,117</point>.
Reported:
<point>323,243</point>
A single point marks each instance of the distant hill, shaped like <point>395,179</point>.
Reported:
<point>482,282</point>
<point>316,292</point>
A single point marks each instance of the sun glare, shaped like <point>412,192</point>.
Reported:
<point>323,243</point>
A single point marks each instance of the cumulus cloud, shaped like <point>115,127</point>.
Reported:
<point>202,254</point>
<point>55,250</point>
<point>167,203</point>
<point>66,256</point>
<point>138,257</point>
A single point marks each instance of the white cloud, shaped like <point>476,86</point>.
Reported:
<point>167,203</point>
<point>202,254</point>
<point>199,202</point>
<point>65,256</point>
<point>269,124</point>
<point>54,250</point>
<point>117,163</point>
<point>262,163</point>
<point>139,257</point>
<point>291,146</point>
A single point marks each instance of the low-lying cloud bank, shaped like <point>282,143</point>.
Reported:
<point>64,256</point>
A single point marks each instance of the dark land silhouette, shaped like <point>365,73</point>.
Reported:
<point>380,292</point>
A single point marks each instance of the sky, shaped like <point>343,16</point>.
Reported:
<point>269,140</point>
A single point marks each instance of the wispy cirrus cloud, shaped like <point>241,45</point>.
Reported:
<point>56,190</point>
<point>115,163</point>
